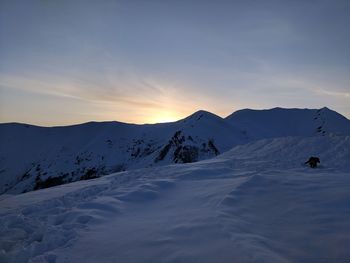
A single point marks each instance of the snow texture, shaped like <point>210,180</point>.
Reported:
<point>257,202</point>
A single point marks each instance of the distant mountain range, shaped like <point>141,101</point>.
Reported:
<point>33,157</point>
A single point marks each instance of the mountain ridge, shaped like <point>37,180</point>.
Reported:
<point>200,111</point>
<point>35,157</point>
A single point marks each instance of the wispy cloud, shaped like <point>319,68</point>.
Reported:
<point>132,100</point>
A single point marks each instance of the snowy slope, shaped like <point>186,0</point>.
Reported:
<point>34,157</point>
<point>254,203</point>
<point>279,122</point>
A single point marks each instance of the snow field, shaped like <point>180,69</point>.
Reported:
<point>247,205</point>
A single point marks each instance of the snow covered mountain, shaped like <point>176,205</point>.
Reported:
<point>280,122</point>
<point>254,203</point>
<point>34,157</point>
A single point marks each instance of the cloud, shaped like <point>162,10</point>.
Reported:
<point>77,89</point>
<point>334,93</point>
<point>137,100</point>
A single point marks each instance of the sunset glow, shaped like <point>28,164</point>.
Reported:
<point>163,116</point>
<point>65,62</point>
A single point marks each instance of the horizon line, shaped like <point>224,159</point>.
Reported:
<point>130,123</point>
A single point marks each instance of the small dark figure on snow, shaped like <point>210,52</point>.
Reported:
<point>313,162</point>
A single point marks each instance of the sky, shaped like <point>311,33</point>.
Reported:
<point>147,61</point>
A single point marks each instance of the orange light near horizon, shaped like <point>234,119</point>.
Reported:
<point>163,116</point>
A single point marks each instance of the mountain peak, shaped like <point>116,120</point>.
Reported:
<point>202,114</point>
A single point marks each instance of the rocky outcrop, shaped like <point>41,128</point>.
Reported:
<point>185,149</point>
